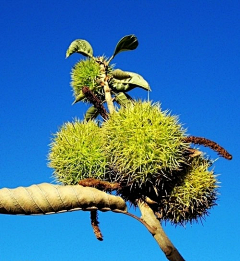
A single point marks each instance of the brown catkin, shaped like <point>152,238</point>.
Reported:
<point>208,143</point>
<point>91,97</point>
<point>99,184</point>
<point>95,223</point>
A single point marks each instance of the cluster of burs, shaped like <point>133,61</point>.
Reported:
<point>139,146</point>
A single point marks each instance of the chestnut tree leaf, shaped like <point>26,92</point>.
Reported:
<point>91,113</point>
<point>127,43</point>
<point>123,99</point>
<point>79,97</point>
<point>120,75</point>
<point>128,84</point>
<point>80,46</point>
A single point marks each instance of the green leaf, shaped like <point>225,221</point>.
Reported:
<point>79,97</point>
<point>80,46</point>
<point>128,84</point>
<point>127,43</point>
<point>123,99</point>
<point>120,75</point>
<point>91,113</point>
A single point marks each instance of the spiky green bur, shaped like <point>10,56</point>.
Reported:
<point>143,142</point>
<point>141,147</point>
<point>84,73</point>
<point>192,195</point>
<point>87,73</point>
<point>76,152</point>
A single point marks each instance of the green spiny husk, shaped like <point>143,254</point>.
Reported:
<point>85,73</point>
<point>76,152</point>
<point>143,142</point>
<point>191,194</point>
<point>141,148</point>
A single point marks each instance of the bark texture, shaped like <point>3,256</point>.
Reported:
<point>163,241</point>
<point>103,77</point>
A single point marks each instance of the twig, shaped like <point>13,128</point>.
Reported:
<point>159,235</point>
<point>152,230</point>
<point>104,83</point>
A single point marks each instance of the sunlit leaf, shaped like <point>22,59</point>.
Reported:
<point>128,84</point>
<point>91,113</point>
<point>79,97</point>
<point>123,99</point>
<point>80,46</point>
<point>120,75</point>
<point>127,43</point>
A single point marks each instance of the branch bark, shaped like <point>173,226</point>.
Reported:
<point>104,82</point>
<point>163,241</point>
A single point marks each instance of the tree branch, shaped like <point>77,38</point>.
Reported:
<point>163,241</point>
<point>104,82</point>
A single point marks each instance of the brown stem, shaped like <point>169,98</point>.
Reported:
<point>95,223</point>
<point>149,228</point>
<point>91,97</point>
<point>208,143</point>
<point>163,241</point>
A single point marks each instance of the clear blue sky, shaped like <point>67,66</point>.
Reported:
<point>189,52</point>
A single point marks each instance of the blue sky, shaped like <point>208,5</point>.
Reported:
<point>189,52</point>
